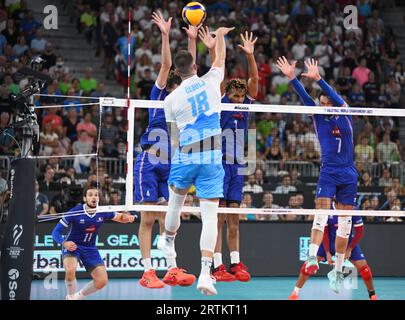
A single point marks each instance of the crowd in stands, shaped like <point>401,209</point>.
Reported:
<point>363,64</point>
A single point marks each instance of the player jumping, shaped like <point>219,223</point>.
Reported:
<point>237,91</point>
<point>153,165</point>
<point>338,177</point>
<point>80,243</point>
<point>198,160</point>
<point>353,253</point>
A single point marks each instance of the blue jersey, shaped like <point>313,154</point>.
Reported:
<point>157,119</point>
<point>333,226</point>
<point>335,134</point>
<point>234,120</point>
<point>84,227</point>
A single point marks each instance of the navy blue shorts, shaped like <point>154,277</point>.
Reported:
<point>150,179</point>
<point>357,254</point>
<point>89,256</point>
<point>340,183</point>
<point>233,183</point>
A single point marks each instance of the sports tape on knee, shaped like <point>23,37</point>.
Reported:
<point>176,201</point>
<point>209,218</point>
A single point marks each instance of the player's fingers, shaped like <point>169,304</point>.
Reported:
<point>254,41</point>
<point>304,74</point>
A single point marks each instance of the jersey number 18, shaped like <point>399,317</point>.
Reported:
<point>199,103</point>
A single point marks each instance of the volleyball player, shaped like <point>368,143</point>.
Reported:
<point>338,176</point>
<point>353,253</point>
<point>237,91</point>
<point>198,160</point>
<point>153,165</point>
<point>80,243</point>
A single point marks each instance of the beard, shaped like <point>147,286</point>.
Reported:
<point>91,205</point>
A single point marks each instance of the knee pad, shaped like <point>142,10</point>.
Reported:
<point>172,220</point>
<point>344,227</point>
<point>209,219</point>
<point>365,273</point>
<point>303,271</point>
<point>320,221</point>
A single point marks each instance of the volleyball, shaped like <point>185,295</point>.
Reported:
<point>194,14</point>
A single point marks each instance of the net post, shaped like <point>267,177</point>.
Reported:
<point>129,181</point>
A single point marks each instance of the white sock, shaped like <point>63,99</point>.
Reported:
<point>217,259</point>
<point>88,289</point>
<point>172,220</point>
<point>209,231</point>
<point>235,257</point>
<point>297,290</point>
<point>147,264</point>
<point>340,259</point>
<point>171,263</point>
<point>71,286</point>
<point>313,250</point>
<point>206,264</point>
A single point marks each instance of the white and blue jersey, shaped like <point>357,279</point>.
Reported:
<point>83,230</point>
<point>338,177</point>
<point>152,171</point>
<point>357,254</point>
<point>233,157</point>
<point>193,107</point>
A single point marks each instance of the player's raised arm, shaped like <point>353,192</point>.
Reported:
<point>220,48</point>
<point>313,73</point>
<point>192,33</point>
<point>123,217</point>
<point>164,27</point>
<point>289,71</point>
<point>248,48</point>
<point>209,41</point>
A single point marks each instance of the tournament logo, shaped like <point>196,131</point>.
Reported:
<point>15,250</point>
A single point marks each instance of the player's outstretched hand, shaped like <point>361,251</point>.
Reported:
<point>70,245</point>
<point>162,24</point>
<point>312,70</point>
<point>287,69</point>
<point>125,217</point>
<point>192,32</point>
<point>223,31</point>
<point>206,37</point>
<point>248,46</point>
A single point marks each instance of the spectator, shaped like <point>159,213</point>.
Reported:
<point>292,204</point>
<point>29,26</point>
<point>60,72</point>
<point>82,146</point>
<point>366,180</point>
<point>48,140</point>
<point>146,84</point>
<point>88,23</point>
<point>391,197</point>
<point>391,57</point>
<point>364,152</point>
<point>294,179</point>
<point>48,183</point>
<point>298,49</point>
<point>53,118</point>
<point>397,187</point>
<point>286,186</point>
<point>7,135</point>
<point>399,74</point>
<point>41,201</point>
<point>49,56</point>
<point>61,202</point>
<point>259,176</point>
<point>38,44</point>
<point>11,33</point>
<point>89,127</point>
<point>88,83</point>
<point>70,123</point>
<point>115,199</point>
<point>268,204</point>
<point>21,46</point>
<point>395,206</point>
<point>361,73</point>
<point>371,90</point>
<point>385,180</point>
<point>394,91</point>
<point>109,135</point>
<point>252,185</point>
<point>387,151</point>
<point>247,202</point>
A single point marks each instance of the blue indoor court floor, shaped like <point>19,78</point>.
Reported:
<point>260,288</point>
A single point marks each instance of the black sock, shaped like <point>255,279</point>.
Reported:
<point>371,293</point>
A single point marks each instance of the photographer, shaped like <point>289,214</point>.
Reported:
<point>67,196</point>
